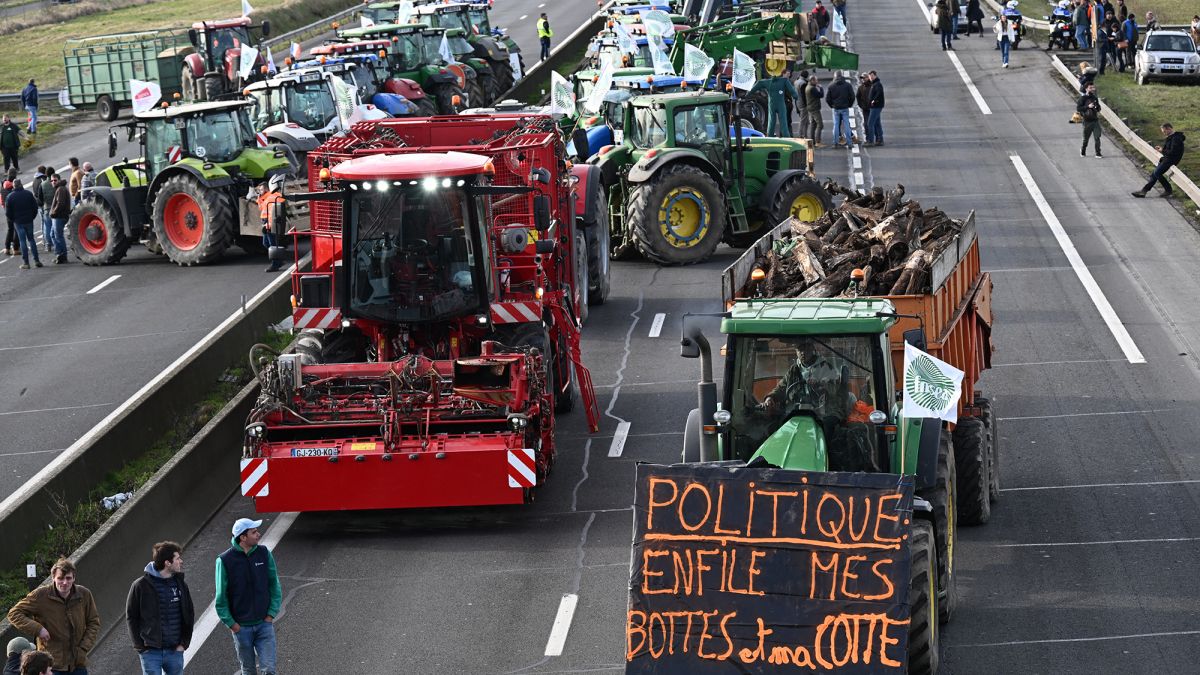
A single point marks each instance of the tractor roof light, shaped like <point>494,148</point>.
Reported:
<point>592,120</point>
<point>177,96</point>
<point>430,184</point>
<point>335,25</point>
<point>489,168</point>
<point>456,100</point>
<point>324,174</point>
<point>650,154</point>
<point>606,149</point>
<point>382,54</point>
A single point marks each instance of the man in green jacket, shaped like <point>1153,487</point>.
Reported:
<point>248,597</point>
<point>777,118</point>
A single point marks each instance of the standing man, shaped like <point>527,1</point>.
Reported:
<point>268,196</point>
<point>1100,37</point>
<point>10,142</point>
<point>813,95</point>
<point>63,616</point>
<point>840,97</point>
<point>544,35</point>
<point>1172,153</point>
<point>1088,108</point>
<point>777,88</point>
<point>821,16</point>
<point>248,597</point>
<point>944,23</point>
<point>1129,33</point>
<point>159,612</point>
<point>875,100</point>
<point>60,212</point>
<point>1083,24</point>
<point>75,184</point>
<point>29,101</point>
<point>801,104</point>
<point>21,208</point>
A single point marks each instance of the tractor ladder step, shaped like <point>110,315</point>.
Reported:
<point>737,214</point>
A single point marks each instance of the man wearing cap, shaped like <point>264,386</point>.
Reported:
<point>16,647</point>
<point>248,597</point>
<point>268,196</point>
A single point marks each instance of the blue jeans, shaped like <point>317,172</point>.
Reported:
<point>954,27</point>
<point>28,243</point>
<point>258,639</point>
<point>60,242</point>
<point>159,661</point>
<point>946,37</point>
<point>47,224</point>
<point>841,124</point>
<point>32,109</point>
<point>875,125</point>
<point>1004,47</point>
<point>1082,37</point>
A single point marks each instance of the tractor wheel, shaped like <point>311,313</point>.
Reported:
<point>923,633</point>
<point>599,245</point>
<point>503,74</point>
<point>677,216</point>
<point>754,109</point>
<point>943,496</point>
<point>187,83</point>
<point>213,88</point>
<point>491,88</point>
<point>475,94</point>
<point>445,94</point>
<point>426,107</point>
<point>193,223</point>
<point>564,401</point>
<point>800,197</point>
<point>96,234</point>
<point>971,463</point>
<point>993,446</point>
<point>107,108</point>
<point>580,281</point>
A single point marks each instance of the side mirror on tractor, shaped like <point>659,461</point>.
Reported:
<point>194,37</point>
<point>112,143</point>
<point>579,143</point>
<point>541,213</point>
<point>266,28</point>
<point>916,338</point>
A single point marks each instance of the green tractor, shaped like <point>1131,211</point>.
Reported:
<point>190,194</point>
<point>414,55</point>
<point>486,49</point>
<point>683,179</point>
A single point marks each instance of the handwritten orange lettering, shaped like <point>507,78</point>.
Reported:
<point>704,635</point>
<point>748,656</point>
<point>880,516</point>
<point>707,506</point>
<point>647,554</point>
<point>891,590</point>
<point>632,630</point>
<point>831,526</point>
<point>775,495</point>
<point>720,506</point>
<point>866,517</point>
<point>847,574</point>
<point>655,482</point>
<point>701,568</point>
<point>831,568</point>
<point>683,572</point>
<point>755,570</point>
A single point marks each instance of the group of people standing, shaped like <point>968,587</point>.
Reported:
<point>158,612</point>
<point>48,200</point>
<point>805,97</point>
<point>1110,30</point>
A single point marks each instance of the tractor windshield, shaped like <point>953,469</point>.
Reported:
<point>479,18</point>
<point>828,378</point>
<point>459,45</point>
<point>218,136</point>
<point>310,104</point>
<point>381,14</point>
<point>224,39</point>
<point>409,51</point>
<point>649,128</point>
<point>455,19</point>
<point>415,252</point>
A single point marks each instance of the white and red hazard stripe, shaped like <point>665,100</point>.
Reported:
<point>516,312</point>
<point>310,317</point>
<point>254,477</point>
<point>522,471</point>
<point>174,154</point>
<point>261,138</point>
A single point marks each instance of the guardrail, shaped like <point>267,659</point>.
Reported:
<point>539,75</point>
<point>1118,125</point>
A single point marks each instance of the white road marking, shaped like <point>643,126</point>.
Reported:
<point>962,72</point>
<point>1022,270</point>
<point>30,452</point>
<point>208,621</point>
<point>1089,414</point>
<point>523,17</point>
<point>858,179</point>
<point>645,384</point>
<point>562,624</point>
<point>1100,543</point>
<point>1132,353</point>
<point>107,339</point>
<point>924,10</point>
<point>857,161</point>
<point>1090,639</point>
<point>5,259</point>
<point>657,324</point>
<point>618,442</point>
<point>1100,485</point>
<point>104,283</point>
<point>1054,363</point>
<point>541,5</point>
<point>70,407</point>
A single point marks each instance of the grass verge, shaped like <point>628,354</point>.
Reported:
<point>73,524</point>
<point>49,126</point>
<point>45,63</point>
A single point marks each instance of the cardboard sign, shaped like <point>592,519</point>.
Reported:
<point>767,570</point>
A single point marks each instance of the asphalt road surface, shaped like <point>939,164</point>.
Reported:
<point>1088,563</point>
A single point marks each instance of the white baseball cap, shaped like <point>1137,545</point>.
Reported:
<point>243,524</point>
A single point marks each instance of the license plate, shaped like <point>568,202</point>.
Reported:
<point>314,452</point>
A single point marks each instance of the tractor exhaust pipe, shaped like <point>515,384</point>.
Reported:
<point>693,345</point>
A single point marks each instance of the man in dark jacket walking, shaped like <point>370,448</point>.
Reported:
<point>29,101</point>
<point>1172,153</point>
<point>60,212</point>
<point>22,209</point>
<point>10,142</point>
<point>248,597</point>
<point>1088,108</point>
<point>813,95</point>
<point>875,115</point>
<point>840,97</point>
<point>160,613</point>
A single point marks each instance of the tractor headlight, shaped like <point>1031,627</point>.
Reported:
<point>722,417</point>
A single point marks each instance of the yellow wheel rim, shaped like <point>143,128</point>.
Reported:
<point>806,208</point>
<point>775,67</point>
<point>684,217</point>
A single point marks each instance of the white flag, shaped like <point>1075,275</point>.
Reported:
<point>144,95</point>
<point>696,64</point>
<point>658,52</point>
<point>404,12</point>
<point>562,95</point>
<point>246,66</point>
<point>514,61</point>
<point>743,71</point>
<point>271,69</point>
<point>295,52</point>
<point>343,97</point>
<point>246,8</point>
<point>839,26</point>
<point>444,50</point>
<point>624,40</point>
<point>595,99</point>
<point>932,387</point>
<point>657,22</point>
<point>365,21</point>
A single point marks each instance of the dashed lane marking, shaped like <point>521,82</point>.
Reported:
<point>1054,363</point>
<point>562,624</point>
<point>104,283</point>
<point>1088,414</point>
<point>1101,638</point>
<point>1086,486</point>
<point>69,407</point>
<point>962,72</point>
<point>1165,540</point>
<point>657,324</point>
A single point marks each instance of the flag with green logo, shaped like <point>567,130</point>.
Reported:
<point>696,64</point>
<point>658,52</point>
<point>931,386</point>
<point>744,75</point>
<point>625,41</point>
<point>657,22</point>
<point>596,98</point>
<point>562,95</point>
<point>343,98</point>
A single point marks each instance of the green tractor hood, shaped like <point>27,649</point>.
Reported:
<point>798,444</point>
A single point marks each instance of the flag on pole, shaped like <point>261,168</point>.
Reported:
<point>271,69</point>
<point>624,40</point>
<point>932,387</point>
<point>562,95</point>
<point>514,61</point>
<point>744,75</point>
<point>365,21</point>
<point>595,99</point>
<point>343,97</point>
<point>657,22</point>
<point>246,65</point>
<point>246,8</point>
<point>404,12</point>
<point>295,51</point>
<point>658,52</point>
<point>696,64</point>
<point>144,95</point>
<point>839,26</point>
<point>444,50</point>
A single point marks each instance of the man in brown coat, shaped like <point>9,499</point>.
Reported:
<point>64,618</point>
<point>75,184</point>
<point>60,212</point>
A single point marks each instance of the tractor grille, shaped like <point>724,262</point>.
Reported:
<point>773,161</point>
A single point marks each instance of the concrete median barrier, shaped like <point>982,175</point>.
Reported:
<point>565,55</point>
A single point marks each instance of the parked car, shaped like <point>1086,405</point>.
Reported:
<point>962,16</point>
<point>1167,55</point>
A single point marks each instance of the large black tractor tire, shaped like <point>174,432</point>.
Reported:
<point>799,196</point>
<point>214,87</point>
<point>923,631</point>
<point>677,217</point>
<point>96,234</point>
<point>754,109</point>
<point>445,93</point>
<point>503,74</point>
<point>426,107</point>
<point>944,496</point>
<point>194,224</point>
<point>491,88</point>
<point>476,97</point>
<point>599,248</point>
<point>972,464</point>
<point>993,443</point>
<point>107,108</point>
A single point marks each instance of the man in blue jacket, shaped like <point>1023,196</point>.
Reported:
<point>21,208</point>
<point>29,101</point>
<point>159,612</point>
<point>248,597</point>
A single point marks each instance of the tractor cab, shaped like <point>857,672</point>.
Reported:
<point>695,120</point>
<point>214,68</point>
<point>302,97</point>
<point>213,132</point>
